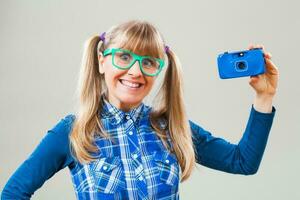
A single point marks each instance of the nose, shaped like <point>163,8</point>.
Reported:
<point>135,69</point>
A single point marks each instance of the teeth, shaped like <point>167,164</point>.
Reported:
<point>130,84</point>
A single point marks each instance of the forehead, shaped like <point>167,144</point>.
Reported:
<point>140,46</point>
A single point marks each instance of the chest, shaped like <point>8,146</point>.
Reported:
<point>133,161</point>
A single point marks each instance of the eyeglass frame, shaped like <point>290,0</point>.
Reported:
<point>135,58</point>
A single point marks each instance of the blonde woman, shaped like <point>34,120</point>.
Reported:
<point>116,147</point>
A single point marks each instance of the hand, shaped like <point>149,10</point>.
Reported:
<point>265,84</point>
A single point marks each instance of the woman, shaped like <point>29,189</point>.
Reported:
<point>116,147</point>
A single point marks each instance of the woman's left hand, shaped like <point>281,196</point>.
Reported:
<point>265,84</point>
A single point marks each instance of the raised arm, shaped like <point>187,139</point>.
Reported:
<point>51,155</point>
<point>242,158</point>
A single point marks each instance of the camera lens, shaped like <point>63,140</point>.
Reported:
<point>241,65</point>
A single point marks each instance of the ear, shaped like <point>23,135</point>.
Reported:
<point>101,61</point>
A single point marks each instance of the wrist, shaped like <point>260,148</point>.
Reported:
<point>264,97</point>
<point>263,103</point>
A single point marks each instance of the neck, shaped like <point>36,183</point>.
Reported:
<point>124,106</point>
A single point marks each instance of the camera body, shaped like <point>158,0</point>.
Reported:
<point>241,63</point>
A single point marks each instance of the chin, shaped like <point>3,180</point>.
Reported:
<point>131,100</point>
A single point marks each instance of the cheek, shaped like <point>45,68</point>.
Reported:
<point>150,82</point>
<point>112,76</point>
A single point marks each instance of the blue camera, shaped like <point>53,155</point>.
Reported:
<point>241,63</point>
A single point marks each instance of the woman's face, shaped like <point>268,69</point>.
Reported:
<point>126,88</point>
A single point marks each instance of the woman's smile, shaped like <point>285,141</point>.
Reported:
<point>135,86</point>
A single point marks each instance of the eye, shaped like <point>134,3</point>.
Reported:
<point>125,56</point>
<point>147,62</point>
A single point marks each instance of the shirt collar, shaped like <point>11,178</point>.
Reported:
<point>116,115</point>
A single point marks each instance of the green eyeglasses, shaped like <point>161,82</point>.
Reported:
<point>124,59</point>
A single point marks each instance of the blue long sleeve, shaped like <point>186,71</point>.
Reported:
<point>243,158</point>
<point>50,156</point>
<point>53,154</point>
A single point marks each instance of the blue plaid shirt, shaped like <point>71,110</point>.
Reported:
<point>135,164</point>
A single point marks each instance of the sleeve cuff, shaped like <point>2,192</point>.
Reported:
<point>263,115</point>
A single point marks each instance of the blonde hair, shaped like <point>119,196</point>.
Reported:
<point>144,38</point>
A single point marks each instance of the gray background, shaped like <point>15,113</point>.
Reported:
<point>41,45</point>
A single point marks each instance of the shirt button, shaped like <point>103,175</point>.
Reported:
<point>130,133</point>
<point>127,117</point>
<point>135,156</point>
<point>141,178</point>
<point>105,167</point>
<point>167,161</point>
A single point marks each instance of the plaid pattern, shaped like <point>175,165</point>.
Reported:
<point>133,165</point>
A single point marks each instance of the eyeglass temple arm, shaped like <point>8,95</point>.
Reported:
<point>107,51</point>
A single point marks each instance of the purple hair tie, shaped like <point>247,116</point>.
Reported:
<point>102,37</point>
<point>167,48</point>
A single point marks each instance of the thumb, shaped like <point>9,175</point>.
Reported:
<point>253,79</point>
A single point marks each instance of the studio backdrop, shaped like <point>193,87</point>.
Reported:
<point>41,46</point>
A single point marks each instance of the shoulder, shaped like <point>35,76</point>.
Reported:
<point>199,134</point>
<point>194,126</point>
<point>57,137</point>
<point>64,124</point>
<point>55,145</point>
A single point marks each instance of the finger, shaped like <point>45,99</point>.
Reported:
<point>254,79</point>
<point>271,67</point>
<point>250,46</point>
<point>268,55</point>
<point>260,46</point>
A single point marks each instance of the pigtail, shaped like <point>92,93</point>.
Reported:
<point>91,86</point>
<point>178,125</point>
